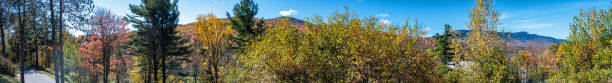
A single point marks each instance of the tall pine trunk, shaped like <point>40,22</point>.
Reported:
<point>2,32</point>
<point>155,70</point>
<point>53,42</point>
<point>22,40</point>
<point>61,43</point>
<point>164,54</point>
<point>163,70</point>
<point>147,70</point>
<point>36,50</point>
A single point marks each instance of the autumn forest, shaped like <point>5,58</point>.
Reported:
<point>148,45</point>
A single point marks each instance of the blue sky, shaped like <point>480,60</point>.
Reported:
<point>542,17</point>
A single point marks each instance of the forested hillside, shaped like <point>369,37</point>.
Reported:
<point>76,41</point>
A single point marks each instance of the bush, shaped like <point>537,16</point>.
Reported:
<point>7,79</point>
<point>7,67</point>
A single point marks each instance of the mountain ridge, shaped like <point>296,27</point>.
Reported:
<point>520,36</point>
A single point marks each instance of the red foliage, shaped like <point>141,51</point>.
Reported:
<point>107,34</point>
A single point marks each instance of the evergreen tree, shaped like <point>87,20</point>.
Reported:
<point>72,14</point>
<point>244,23</point>
<point>22,39</point>
<point>443,49</point>
<point>156,37</point>
<point>3,19</point>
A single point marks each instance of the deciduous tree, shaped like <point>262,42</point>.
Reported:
<point>345,48</point>
<point>586,56</point>
<point>213,33</point>
<point>107,35</point>
<point>480,56</point>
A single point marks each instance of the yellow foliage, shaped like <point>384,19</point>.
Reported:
<point>212,33</point>
<point>343,49</point>
<point>479,55</point>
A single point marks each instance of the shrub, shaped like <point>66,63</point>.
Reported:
<point>7,67</point>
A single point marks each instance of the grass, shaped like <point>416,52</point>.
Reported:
<point>8,79</point>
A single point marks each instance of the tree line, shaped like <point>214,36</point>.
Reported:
<point>343,47</point>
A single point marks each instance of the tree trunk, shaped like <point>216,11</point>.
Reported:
<point>36,50</point>
<point>164,75</point>
<point>22,40</point>
<point>61,43</point>
<point>147,68</point>
<point>155,68</point>
<point>209,72</point>
<point>196,64</point>
<point>53,42</point>
<point>36,42</point>
<point>164,53</point>
<point>106,56</point>
<point>2,32</point>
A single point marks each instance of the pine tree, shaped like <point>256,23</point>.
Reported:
<point>3,19</point>
<point>72,14</point>
<point>443,49</point>
<point>22,39</point>
<point>156,36</point>
<point>244,23</point>
<point>61,41</point>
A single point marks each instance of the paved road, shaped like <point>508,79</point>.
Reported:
<point>33,76</point>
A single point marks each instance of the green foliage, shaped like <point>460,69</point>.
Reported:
<point>443,49</point>
<point>156,38</point>
<point>345,48</point>
<point>7,67</point>
<point>443,52</point>
<point>479,57</point>
<point>586,56</point>
<point>244,23</point>
<point>278,54</point>
<point>8,79</point>
<point>72,60</point>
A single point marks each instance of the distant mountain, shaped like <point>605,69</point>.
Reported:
<point>272,21</point>
<point>292,20</point>
<point>519,36</point>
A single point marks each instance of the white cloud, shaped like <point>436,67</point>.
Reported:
<point>426,29</point>
<point>525,21</point>
<point>384,21</point>
<point>76,33</point>
<point>534,25</point>
<point>382,15</point>
<point>288,12</point>
<point>529,23</point>
<point>428,35</point>
<point>504,16</point>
